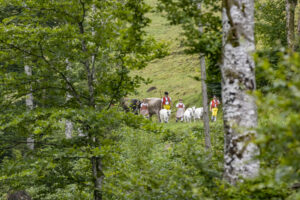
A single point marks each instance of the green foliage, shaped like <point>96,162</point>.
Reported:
<point>83,50</point>
<point>263,82</point>
<point>270,26</point>
<point>169,164</point>
<point>141,160</point>
<point>60,168</point>
<point>280,139</point>
<point>270,32</point>
<point>116,46</point>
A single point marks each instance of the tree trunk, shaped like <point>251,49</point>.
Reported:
<point>98,177</point>
<point>205,103</point>
<point>68,124</point>
<point>29,105</point>
<point>96,161</point>
<point>299,23</point>
<point>298,29</point>
<point>204,93</point>
<point>68,129</point>
<point>238,79</point>
<point>290,22</point>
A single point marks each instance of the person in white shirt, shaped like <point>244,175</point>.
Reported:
<point>180,111</point>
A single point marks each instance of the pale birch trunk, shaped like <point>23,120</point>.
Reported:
<point>68,129</point>
<point>204,93</point>
<point>29,105</point>
<point>238,79</point>
<point>68,124</point>
<point>298,28</point>
<point>299,24</point>
<point>290,22</point>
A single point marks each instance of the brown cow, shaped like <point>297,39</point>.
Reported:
<point>154,106</point>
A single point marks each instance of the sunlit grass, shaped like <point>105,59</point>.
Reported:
<point>173,73</point>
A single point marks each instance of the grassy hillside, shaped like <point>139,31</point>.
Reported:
<point>174,72</point>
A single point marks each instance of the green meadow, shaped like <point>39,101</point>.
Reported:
<point>173,73</point>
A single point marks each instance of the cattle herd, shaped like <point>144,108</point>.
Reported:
<point>154,108</point>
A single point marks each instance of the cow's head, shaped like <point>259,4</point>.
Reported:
<point>194,108</point>
<point>135,105</point>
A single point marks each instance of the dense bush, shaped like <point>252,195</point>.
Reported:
<point>165,165</point>
<point>279,138</point>
<point>270,25</point>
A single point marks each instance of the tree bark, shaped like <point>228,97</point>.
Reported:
<point>96,161</point>
<point>205,103</point>
<point>204,93</point>
<point>298,28</point>
<point>238,80</point>
<point>29,105</point>
<point>98,176</point>
<point>290,22</point>
<point>68,124</point>
<point>97,172</point>
<point>68,129</point>
<point>298,23</point>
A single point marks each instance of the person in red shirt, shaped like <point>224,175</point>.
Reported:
<point>214,108</point>
<point>166,102</point>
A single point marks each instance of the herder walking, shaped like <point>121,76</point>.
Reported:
<point>180,111</point>
<point>214,108</point>
<point>166,102</point>
<point>144,109</point>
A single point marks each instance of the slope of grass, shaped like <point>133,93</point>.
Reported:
<point>172,73</point>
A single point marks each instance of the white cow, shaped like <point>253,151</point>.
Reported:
<point>164,115</point>
<point>198,113</point>
<point>189,114</point>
